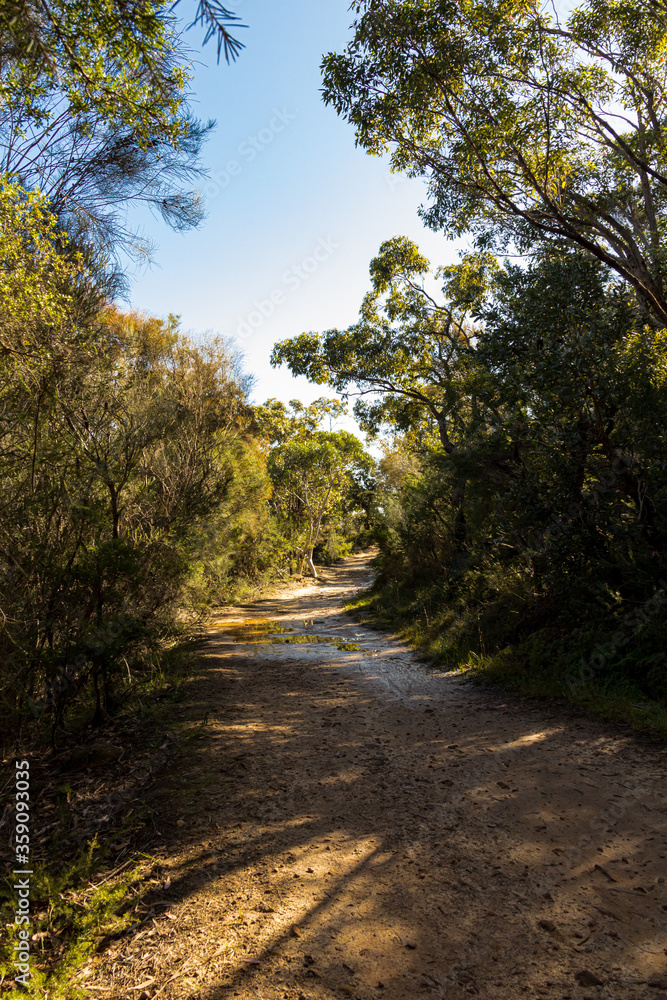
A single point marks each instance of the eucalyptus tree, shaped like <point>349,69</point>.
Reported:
<point>315,473</point>
<point>534,380</point>
<point>411,354</point>
<point>414,356</point>
<point>527,128</point>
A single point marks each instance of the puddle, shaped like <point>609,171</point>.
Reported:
<point>257,631</point>
<point>251,630</point>
<point>329,640</point>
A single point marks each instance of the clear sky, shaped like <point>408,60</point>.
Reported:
<point>295,210</point>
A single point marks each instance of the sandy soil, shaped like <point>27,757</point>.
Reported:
<point>356,824</point>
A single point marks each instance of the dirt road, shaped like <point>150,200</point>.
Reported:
<point>359,825</point>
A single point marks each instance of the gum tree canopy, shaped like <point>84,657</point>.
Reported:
<point>409,353</point>
<point>315,473</point>
<point>94,110</point>
<point>526,128</point>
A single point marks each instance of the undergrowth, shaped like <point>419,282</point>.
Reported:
<point>81,899</point>
<point>76,907</point>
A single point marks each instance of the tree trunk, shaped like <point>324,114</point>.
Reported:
<point>115,516</point>
<point>442,431</point>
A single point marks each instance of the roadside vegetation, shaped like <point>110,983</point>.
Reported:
<point>520,395</point>
<point>140,485</point>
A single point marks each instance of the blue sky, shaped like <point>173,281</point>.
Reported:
<point>295,211</point>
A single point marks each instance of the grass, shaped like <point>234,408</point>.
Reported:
<point>80,906</point>
<point>510,643</point>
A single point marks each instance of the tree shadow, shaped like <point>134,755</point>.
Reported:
<point>486,846</point>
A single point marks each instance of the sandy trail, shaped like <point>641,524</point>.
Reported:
<point>359,825</point>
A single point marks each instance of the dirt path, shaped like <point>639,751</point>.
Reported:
<point>358,825</point>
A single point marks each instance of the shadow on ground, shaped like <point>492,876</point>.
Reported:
<point>350,824</point>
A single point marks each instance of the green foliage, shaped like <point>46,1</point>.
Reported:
<point>112,60</point>
<point>317,475</point>
<point>405,346</point>
<point>95,114</point>
<point>547,138</point>
<point>537,513</point>
<point>36,268</point>
<point>126,463</point>
<point>135,491</point>
<point>77,914</point>
<point>526,129</point>
<point>131,482</point>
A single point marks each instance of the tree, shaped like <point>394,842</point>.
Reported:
<point>526,129</point>
<point>117,60</point>
<point>411,353</point>
<point>125,461</point>
<point>129,473</point>
<point>95,112</point>
<point>527,372</point>
<point>416,358</point>
<point>311,469</point>
<point>570,361</point>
